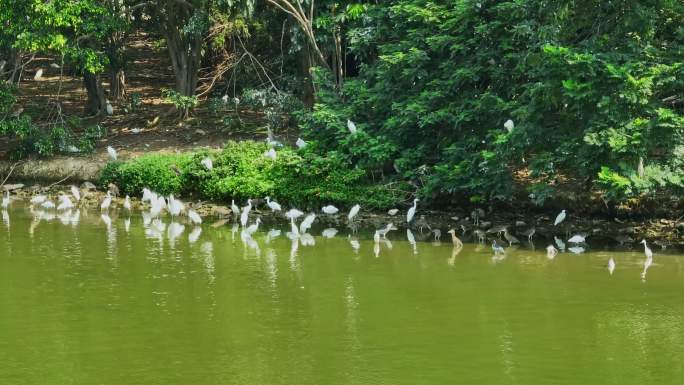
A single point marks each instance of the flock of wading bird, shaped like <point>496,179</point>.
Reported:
<point>155,206</point>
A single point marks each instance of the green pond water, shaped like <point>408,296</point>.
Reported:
<point>87,303</point>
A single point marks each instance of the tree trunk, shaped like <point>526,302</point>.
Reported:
<point>117,83</point>
<point>186,59</point>
<point>96,103</point>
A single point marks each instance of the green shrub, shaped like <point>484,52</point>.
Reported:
<point>156,172</point>
<point>241,171</point>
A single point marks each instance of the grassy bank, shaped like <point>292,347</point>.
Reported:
<point>241,171</point>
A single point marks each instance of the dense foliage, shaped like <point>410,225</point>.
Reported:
<point>241,171</point>
<point>463,101</point>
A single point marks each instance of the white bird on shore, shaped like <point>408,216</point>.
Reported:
<point>194,217</point>
<point>329,233</point>
<point>393,212</point>
<point>293,214</point>
<point>127,203</point>
<point>300,143</point>
<point>148,196</point>
<point>207,163</point>
<point>330,210</point>
<point>611,266</point>
<point>38,74</point>
<point>5,200</point>
<point>106,202</point>
<point>273,205</point>
<point>271,154</point>
<point>112,153</point>
<point>351,126</point>
<point>38,199</point>
<point>109,108</point>
<point>76,193</point>
<point>560,218</point>
<point>306,223</point>
<point>509,125</point>
<point>577,239</point>
<point>47,205</point>
<point>353,212</point>
<point>55,65</point>
<point>412,211</point>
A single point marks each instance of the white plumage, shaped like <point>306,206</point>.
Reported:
<point>351,126</point>
<point>207,163</point>
<point>300,143</point>
<point>560,218</point>
<point>611,266</point>
<point>47,205</point>
<point>38,74</point>
<point>393,212</point>
<point>254,227</point>
<point>110,109</point>
<point>127,203</point>
<point>112,152</point>
<point>273,205</point>
<point>293,214</point>
<point>245,213</point>
<point>270,154</point>
<point>64,203</point>
<point>647,250</point>
<point>412,211</point>
<point>106,202</point>
<point>76,193</point>
<point>577,239</point>
<point>353,212</point>
<point>194,217</point>
<point>330,209</point>
<point>306,223</point>
<point>234,208</point>
<point>5,200</point>
<point>509,125</point>
<point>38,199</point>
<point>175,206</point>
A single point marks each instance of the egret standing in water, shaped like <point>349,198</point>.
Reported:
<point>104,206</point>
<point>293,214</point>
<point>412,211</point>
<point>76,193</point>
<point>498,250</point>
<point>306,223</point>
<point>454,239</point>
<point>551,252</point>
<point>245,213</point>
<point>647,250</point>
<point>6,199</point>
<point>560,218</point>
<point>127,203</point>
<point>611,265</point>
<point>234,208</point>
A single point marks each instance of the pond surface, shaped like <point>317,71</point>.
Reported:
<point>83,302</point>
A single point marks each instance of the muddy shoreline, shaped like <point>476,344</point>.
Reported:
<point>602,234</point>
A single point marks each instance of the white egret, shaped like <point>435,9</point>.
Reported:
<point>148,196</point>
<point>611,266</point>
<point>47,205</point>
<point>207,163</point>
<point>194,217</point>
<point>330,210</point>
<point>647,250</point>
<point>351,126</point>
<point>106,202</point>
<point>38,199</point>
<point>559,243</point>
<point>55,65</point>
<point>412,211</point>
<point>307,240</point>
<point>6,200</point>
<point>329,233</point>
<point>294,229</point>
<point>64,203</point>
<point>551,252</point>
<point>234,208</point>
<point>300,143</point>
<point>245,213</point>
<point>306,223</point>
<point>454,239</point>
<point>109,108</point>
<point>509,125</point>
<point>127,203</point>
<point>195,234</point>
<point>577,239</point>
<point>270,154</point>
<point>576,250</point>
<point>393,212</point>
<point>560,218</point>
<point>498,250</point>
<point>254,227</point>
<point>76,193</point>
<point>175,206</point>
<point>273,205</point>
<point>112,153</point>
<point>293,214</point>
<point>38,74</point>
<point>353,212</point>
